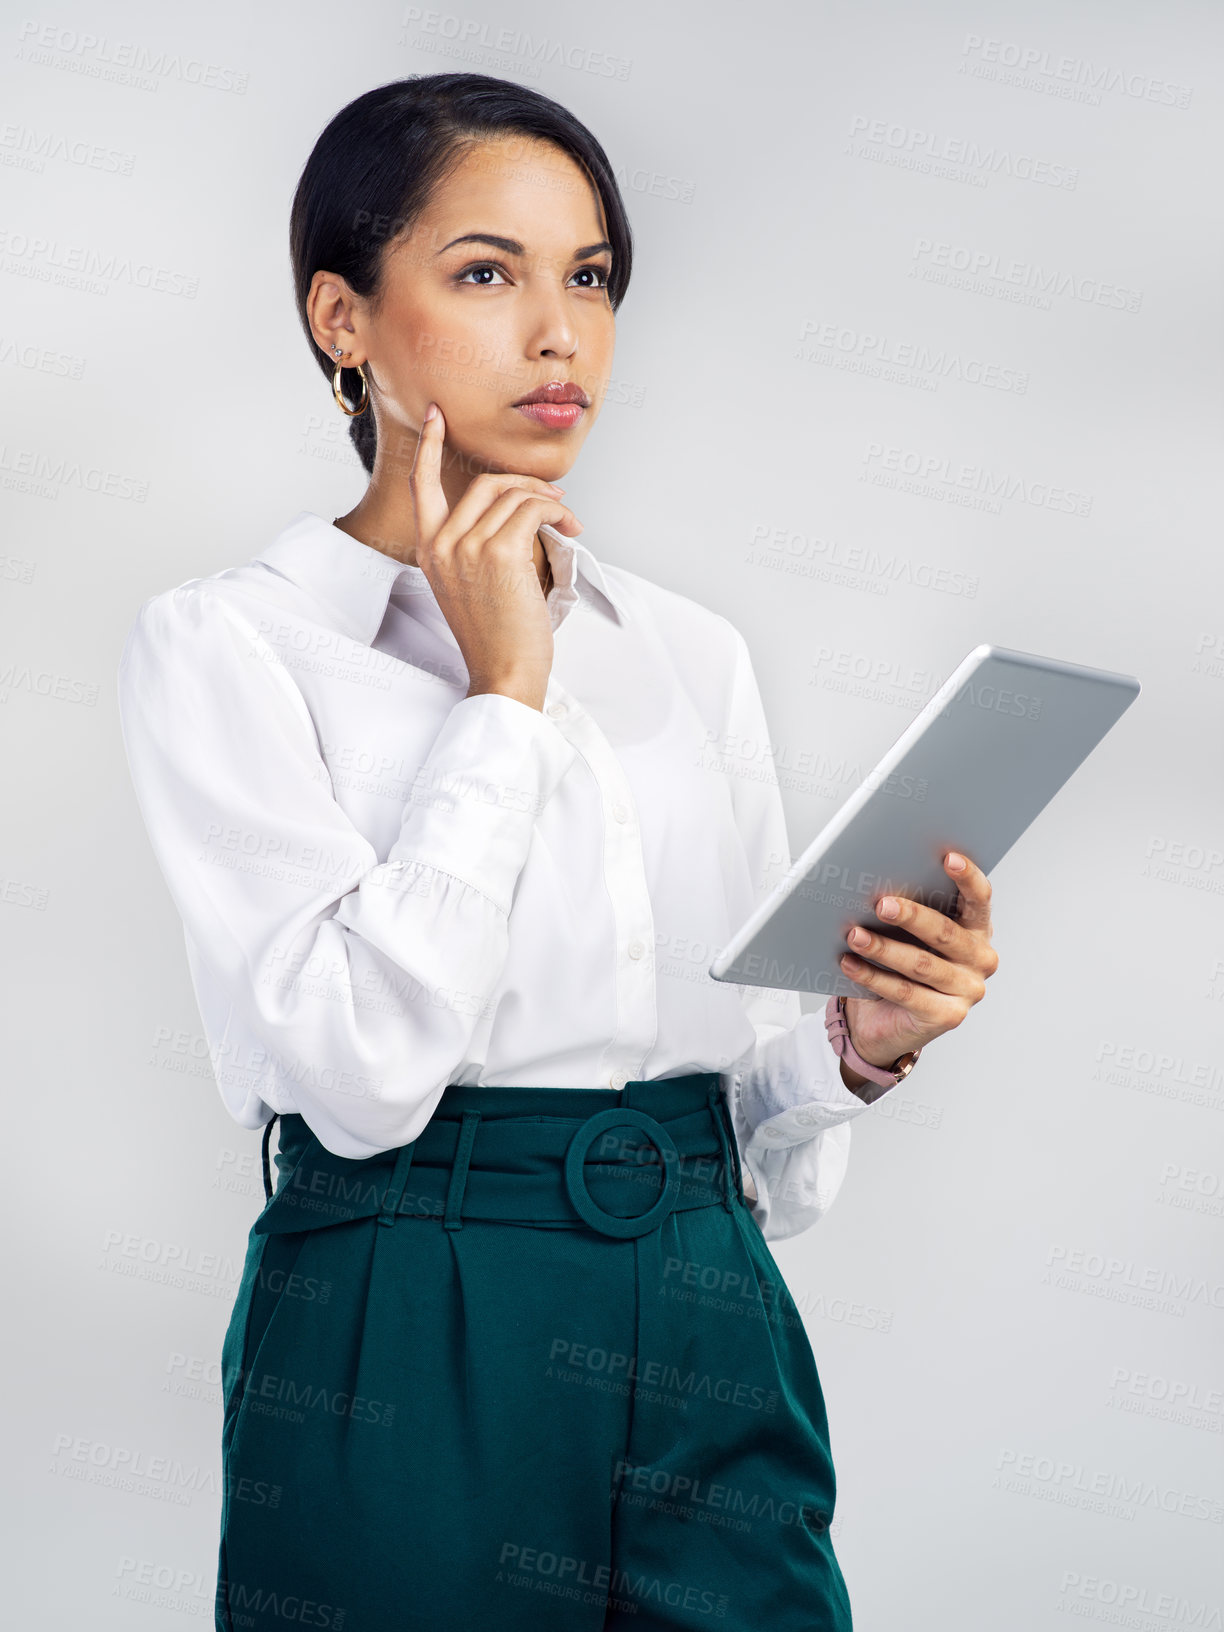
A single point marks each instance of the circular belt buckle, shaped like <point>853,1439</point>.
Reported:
<point>575,1178</point>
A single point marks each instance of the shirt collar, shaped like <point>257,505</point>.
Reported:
<point>355,581</point>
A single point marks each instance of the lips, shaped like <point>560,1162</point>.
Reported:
<point>556,392</point>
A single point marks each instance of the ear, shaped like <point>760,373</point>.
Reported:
<point>334,318</point>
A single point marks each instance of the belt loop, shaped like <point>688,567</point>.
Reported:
<point>458,1179</point>
<point>267,1169</point>
<point>725,1106</point>
<point>730,1165</point>
<point>395,1184</point>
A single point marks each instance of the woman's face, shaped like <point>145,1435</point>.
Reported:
<point>477,325</point>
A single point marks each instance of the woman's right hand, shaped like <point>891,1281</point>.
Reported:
<point>479,559</point>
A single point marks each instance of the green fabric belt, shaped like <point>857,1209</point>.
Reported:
<point>546,1156</point>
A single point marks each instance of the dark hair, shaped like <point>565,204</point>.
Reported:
<point>374,170</point>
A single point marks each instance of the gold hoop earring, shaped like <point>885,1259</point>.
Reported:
<point>365,385</point>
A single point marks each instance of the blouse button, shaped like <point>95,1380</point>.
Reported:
<point>556,710</point>
<point>636,949</point>
<point>618,1080</point>
<point>621,812</point>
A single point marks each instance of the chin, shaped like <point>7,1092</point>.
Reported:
<point>518,456</point>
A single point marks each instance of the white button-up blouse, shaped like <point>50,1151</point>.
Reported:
<point>387,886</point>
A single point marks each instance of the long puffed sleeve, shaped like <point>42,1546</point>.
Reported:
<point>275,884</point>
<point>790,1108</point>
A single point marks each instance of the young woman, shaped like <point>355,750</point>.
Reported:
<point>439,795</point>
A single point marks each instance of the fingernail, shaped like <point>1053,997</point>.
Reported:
<point>431,411</point>
<point>555,488</point>
<point>888,907</point>
<point>956,862</point>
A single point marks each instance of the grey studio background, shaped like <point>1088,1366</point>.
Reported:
<point>922,348</point>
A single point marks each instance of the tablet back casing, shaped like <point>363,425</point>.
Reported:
<point>979,763</point>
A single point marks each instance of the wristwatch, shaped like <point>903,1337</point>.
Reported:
<point>883,1076</point>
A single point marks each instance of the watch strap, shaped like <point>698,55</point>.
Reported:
<point>881,1077</point>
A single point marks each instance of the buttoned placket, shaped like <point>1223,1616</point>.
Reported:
<point>637,1016</point>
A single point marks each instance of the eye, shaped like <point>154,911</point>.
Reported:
<point>602,272</point>
<point>480,266</point>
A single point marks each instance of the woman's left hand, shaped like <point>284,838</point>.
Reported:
<point>921,993</point>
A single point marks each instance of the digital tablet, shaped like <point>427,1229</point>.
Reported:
<point>971,772</point>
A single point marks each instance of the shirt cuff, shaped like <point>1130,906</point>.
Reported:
<point>473,804</point>
<point>795,1091</point>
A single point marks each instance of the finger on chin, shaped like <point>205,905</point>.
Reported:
<point>429,500</point>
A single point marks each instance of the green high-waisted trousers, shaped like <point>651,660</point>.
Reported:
<point>537,1371</point>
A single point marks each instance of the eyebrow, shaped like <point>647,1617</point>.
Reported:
<point>511,246</point>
